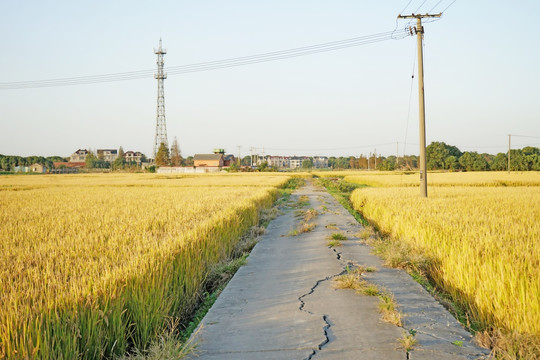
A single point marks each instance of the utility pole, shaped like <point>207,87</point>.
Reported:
<point>420,35</point>
<point>509,142</point>
<point>239,159</point>
<point>397,154</point>
<point>369,157</point>
<point>161,126</point>
<point>375,155</point>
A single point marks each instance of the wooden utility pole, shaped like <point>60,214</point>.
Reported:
<point>239,159</point>
<point>397,155</point>
<point>420,34</point>
<point>509,141</point>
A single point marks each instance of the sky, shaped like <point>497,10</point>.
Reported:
<point>481,68</point>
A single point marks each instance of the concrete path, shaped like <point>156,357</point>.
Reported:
<point>282,304</point>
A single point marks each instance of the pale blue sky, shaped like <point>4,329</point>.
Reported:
<point>482,76</point>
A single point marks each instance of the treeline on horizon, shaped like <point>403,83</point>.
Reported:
<point>440,156</point>
<point>9,162</point>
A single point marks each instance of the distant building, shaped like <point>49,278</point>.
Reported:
<point>208,160</point>
<point>79,156</point>
<point>22,169</point>
<point>228,160</point>
<point>62,167</point>
<point>133,157</point>
<point>320,162</point>
<point>278,162</point>
<point>295,162</point>
<point>38,168</point>
<point>217,159</point>
<point>108,155</point>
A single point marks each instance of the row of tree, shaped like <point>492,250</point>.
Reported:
<point>9,162</point>
<point>164,157</point>
<point>441,156</point>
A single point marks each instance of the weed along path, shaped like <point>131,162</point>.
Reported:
<point>312,290</point>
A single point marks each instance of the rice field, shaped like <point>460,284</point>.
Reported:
<point>477,179</point>
<point>480,229</point>
<point>93,265</point>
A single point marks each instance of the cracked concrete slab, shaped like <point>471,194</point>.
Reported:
<point>282,305</point>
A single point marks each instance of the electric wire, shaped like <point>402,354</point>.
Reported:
<point>406,6</point>
<point>330,149</point>
<point>437,4</point>
<point>526,136</point>
<point>422,4</point>
<point>211,65</point>
<point>446,8</point>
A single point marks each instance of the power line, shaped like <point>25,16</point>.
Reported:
<point>422,4</point>
<point>437,4</point>
<point>336,148</point>
<point>446,8</point>
<point>212,65</point>
<point>527,136</point>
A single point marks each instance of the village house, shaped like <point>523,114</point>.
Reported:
<point>108,155</point>
<point>133,157</point>
<point>38,168</point>
<point>320,162</point>
<point>278,162</point>
<point>217,159</point>
<point>295,162</point>
<point>208,160</point>
<point>79,156</point>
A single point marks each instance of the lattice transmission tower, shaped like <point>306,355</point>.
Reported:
<point>161,126</point>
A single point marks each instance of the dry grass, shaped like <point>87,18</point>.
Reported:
<point>307,227</point>
<point>332,227</point>
<point>353,280</point>
<point>407,341</point>
<point>388,309</point>
<point>510,346</point>
<point>366,233</point>
<point>310,214</point>
<point>338,236</point>
<point>333,243</point>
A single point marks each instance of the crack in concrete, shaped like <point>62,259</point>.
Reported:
<point>338,254</point>
<point>325,317</point>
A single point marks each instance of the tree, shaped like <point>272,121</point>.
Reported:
<point>472,161</point>
<point>451,163</point>
<point>387,164</point>
<point>189,161</point>
<point>120,162</point>
<point>246,160</point>
<point>162,156</point>
<point>91,160</point>
<point>437,154</point>
<point>307,164</point>
<point>176,158</point>
<point>500,162</point>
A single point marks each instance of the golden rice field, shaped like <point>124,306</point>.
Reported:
<point>481,229</point>
<point>478,179</point>
<point>92,265</point>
